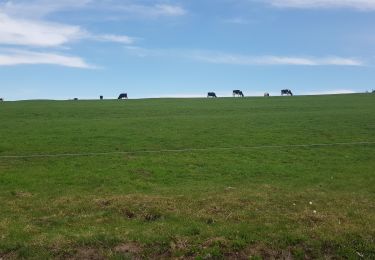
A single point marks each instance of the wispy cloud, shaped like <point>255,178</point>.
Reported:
<point>365,5</point>
<point>40,8</point>
<point>45,34</point>
<point>36,33</point>
<point>237,59</point>
<point>149,11</point>
<point>329,92</point>
<point>276,60</point>
<point>114,38</point>
<point>19,28</point>
<point>17,57</point>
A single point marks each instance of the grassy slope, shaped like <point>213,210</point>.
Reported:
<point>206,203</point>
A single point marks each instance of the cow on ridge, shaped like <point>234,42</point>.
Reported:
<point>211,94</point>
<point>123,96</point>
<point>287,92</point>
<point>238,93</point>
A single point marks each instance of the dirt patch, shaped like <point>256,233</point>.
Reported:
<point>312,219</point>
<point>128,213</point>
<point>151,216</point>
<point>146,214</point>
<point>88,253</point>
<point>21,194</point>
<point>128,248</point>
<point>179,243</point>
<point>219,241</point>
<point>8,256</point>
<point>103,203</point>
<point>131,250</point>
<point>261,251</point>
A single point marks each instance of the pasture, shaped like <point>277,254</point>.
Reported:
<point>261,198</point>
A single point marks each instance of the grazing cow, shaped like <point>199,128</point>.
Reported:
<point>211,94</point>
<point>1,100</point>
<point>101,97</point>
<point>287,92</point>
<point>123,96</point>
<point>238,93</point>
<point>373,91</point>
<point>75,99</point>
<point>266,94</point>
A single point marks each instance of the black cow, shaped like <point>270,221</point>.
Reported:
<point>373,91</point>
<point>75,99</point>
<point>123,96</point>
<point>238,93</point>
<point>101,97</point>
<point>1,100</point>
<point>266,94</point>
<point>211,94</point>
<point>287,92</point>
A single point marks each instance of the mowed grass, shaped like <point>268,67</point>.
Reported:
<point>286,202</point>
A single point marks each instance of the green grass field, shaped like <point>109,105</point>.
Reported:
<point>235,203</point>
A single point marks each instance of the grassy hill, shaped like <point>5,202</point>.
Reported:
<point>263,197</point>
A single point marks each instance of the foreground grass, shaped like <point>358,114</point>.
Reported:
<point>287,202</point>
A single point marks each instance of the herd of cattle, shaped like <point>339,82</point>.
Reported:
<point>239,93</point>
<point>236,93</point>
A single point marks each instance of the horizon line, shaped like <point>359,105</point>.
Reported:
<point>177,97</point>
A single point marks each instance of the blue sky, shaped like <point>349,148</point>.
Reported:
<point>158,48</point>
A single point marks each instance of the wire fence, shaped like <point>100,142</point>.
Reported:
<point>184,150</point>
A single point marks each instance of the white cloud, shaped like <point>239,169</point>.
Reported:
<point>39,8</point>
<point>365,5</point>
<point>275,60</point>
<point>114,38</point>
<point>170,10</point>
<point>236,59</point>
<point>22,23</point>
<point>134,8</point>
<point>36,33</point>
<point>329,92</point>
<point>17,57</point>
<point>150,11</point>
<point>43,34</point>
